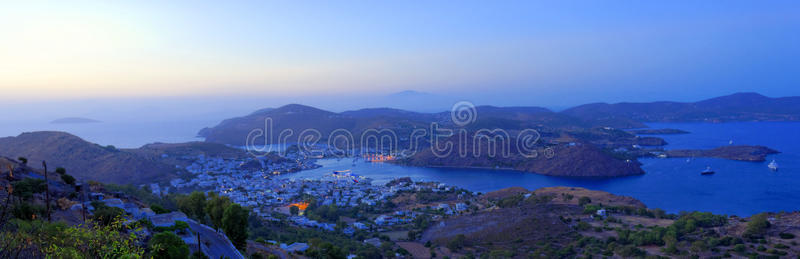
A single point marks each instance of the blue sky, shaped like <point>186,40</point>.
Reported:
<point>555,53</point>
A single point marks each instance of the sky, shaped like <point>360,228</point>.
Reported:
<point>249,55</point>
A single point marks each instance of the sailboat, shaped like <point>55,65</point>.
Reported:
<point>773,165</point>
<point>708,171</point>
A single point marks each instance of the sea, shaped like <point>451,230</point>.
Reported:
<point>673,184</point>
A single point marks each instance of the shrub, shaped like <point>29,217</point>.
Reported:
<point>630,251</point>
<point>158,209</point>
<point>584,200</point>
<point>68,179</point>
<point>757,226</point>
<point>456,243</point>
<point>168,245</point>
<point>786,235</point>
<point>105,214</point>
<point>583,226</point>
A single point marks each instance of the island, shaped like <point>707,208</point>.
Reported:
<point>740,153</point>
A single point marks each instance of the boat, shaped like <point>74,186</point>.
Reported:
<point>708,171</point>
<point>773,165</point>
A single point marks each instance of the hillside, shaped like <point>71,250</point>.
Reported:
<point>582,160</point>
<point>85,160</point>
<point>741,153</point>
<point>735,107</point>
<point>298,118</point>
<point>570,222</point>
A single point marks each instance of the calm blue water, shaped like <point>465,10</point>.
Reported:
<point>738,188</point>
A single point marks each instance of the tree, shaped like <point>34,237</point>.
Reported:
<point>234,223</point>
<point>757,226</point>
<point>325,250</point>
<point>215,208</point>
<point>27,187</point>
<point>199,255</point>
<point>193,205</point>
<point>168,245</point>
<point>39,239</point>
<point>105,215</point>
<point>457,242</point>
<point>294,210</point>
<point>68,179</point>
<point>158,209</point>
<point>23,160</point>
<point>181,227</point>
<point>584,200</point>
<point>61,170</point>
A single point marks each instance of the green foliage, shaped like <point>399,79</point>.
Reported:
<point>144,195</point>
<point>591,208</point>
<point>105,215</point>
<point>757,226</point>
<point>630,251</point>
<point>180,226</point>
<point>328,212</point>
<point>39,239</point>
<point>428,196</point>
<point>690,222</point>
<point>158,209</point>
<point>583,226</point>
<point>28,211</point>
<point>584,200</point>
<point>68,179</point>
<point>27,187</point>
<point>168,245</point>
<point>61,170</point>
<point>215,208</point>
<point>457,242</point>
<point>325,250</point>
<point>193,205</point>
<point>234,223</point>
<point>23,160</point>
<point>200,255</point>
<point>510,201</point>
<point>699,246</point>
<point>786,235</point>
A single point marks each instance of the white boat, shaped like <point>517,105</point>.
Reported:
<point>708,171</point>
<point>773,165</point>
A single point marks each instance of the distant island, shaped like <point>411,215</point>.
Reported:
<point>74,120</point>
<point>740,153</point>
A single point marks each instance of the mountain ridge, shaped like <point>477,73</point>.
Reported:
<point>85,160</point>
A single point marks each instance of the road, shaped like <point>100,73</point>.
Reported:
<point>214,244</point>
